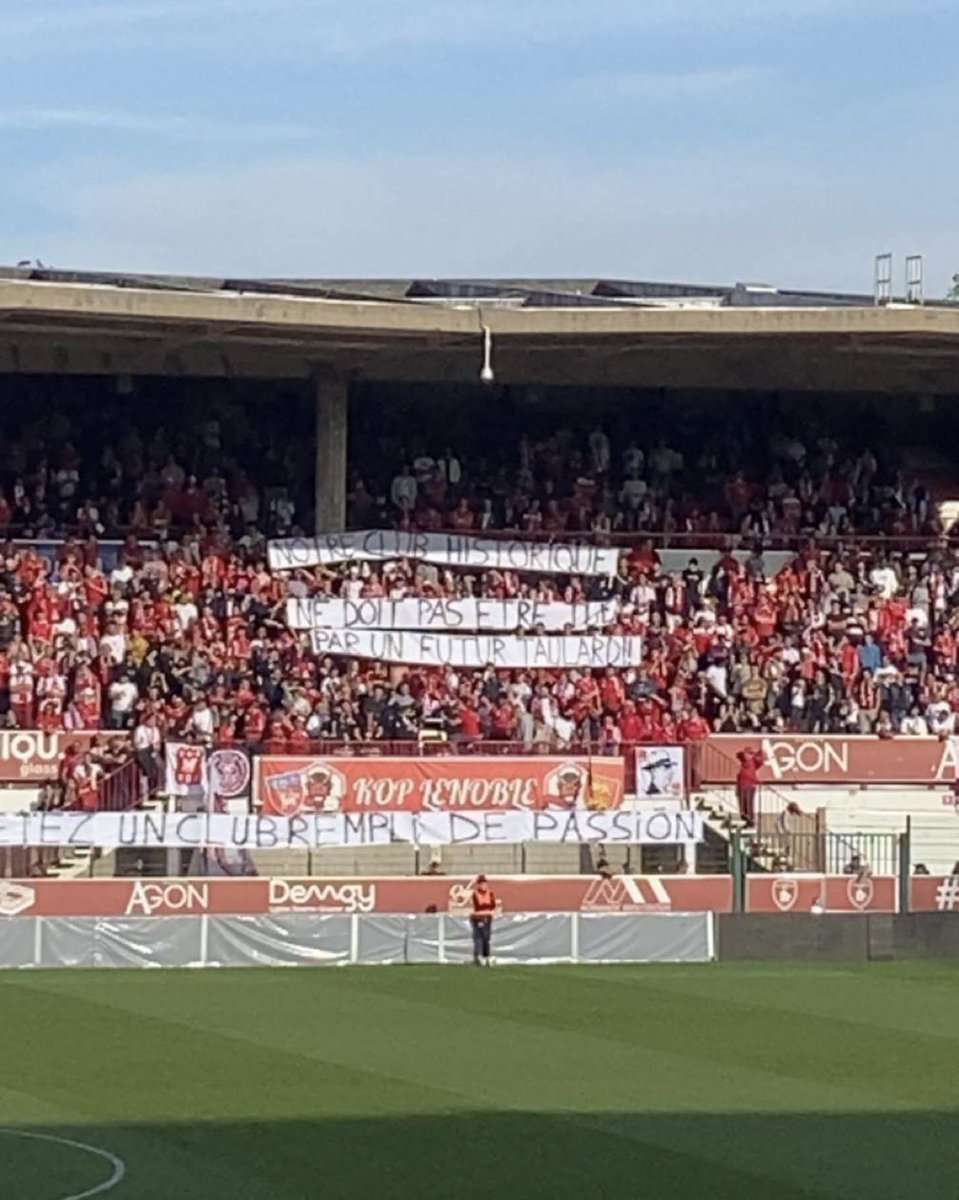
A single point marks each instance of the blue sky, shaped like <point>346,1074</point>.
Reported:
<point>700,140</point>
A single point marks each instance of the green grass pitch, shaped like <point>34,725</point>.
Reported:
<point>756,1082</point>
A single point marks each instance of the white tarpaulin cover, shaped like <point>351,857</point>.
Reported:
<point>300,939</point>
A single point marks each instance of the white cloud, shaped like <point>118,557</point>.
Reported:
<point>179,127</point>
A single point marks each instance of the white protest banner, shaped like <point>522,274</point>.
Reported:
<point>249,832</point>
<point>464,650</point>
<point>422,613</point>
<point>445,550</point>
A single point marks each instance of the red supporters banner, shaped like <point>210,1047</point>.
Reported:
<point>216,780</point>
<point>825,893</point>
<point>288,786</point>
<point>792,758</point>
<point>28,756</point>
<point>186,771</point>
<point>195,896</point>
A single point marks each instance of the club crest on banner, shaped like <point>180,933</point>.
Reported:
<point>860,891</point>
<point>571,785</point>
<point>186,770</point>
<point>567,786</point>
<point>229,773</point>
<point>318,787</point>
<point>785,894</point>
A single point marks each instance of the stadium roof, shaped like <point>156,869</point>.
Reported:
<point>526,293</point>
<point>578,332</point>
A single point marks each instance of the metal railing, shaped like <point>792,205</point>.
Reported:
<point>662,539</point>
<point>27,862</point>
<point>823,853</point>
<point>123,788</point>
<point>728,538</point>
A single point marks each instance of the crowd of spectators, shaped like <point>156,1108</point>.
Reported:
<point>182,632</point>
<point>582,483</point>
<point>91,776</point>
<point>190,639</point>
<point>169,462</point>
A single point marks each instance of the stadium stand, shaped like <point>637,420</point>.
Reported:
<point>174,628</point>
<point>179,629</point>
<point>75,458</point>
<point>787,560</point>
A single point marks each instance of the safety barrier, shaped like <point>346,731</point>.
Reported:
<point>308,940</point>
<point>674,539</point>
<point>805,938</point>
<point>781,850</point>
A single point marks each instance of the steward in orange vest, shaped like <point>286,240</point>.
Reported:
<point>481,919</point>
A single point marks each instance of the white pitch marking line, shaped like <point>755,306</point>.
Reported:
<point>119,1166</point>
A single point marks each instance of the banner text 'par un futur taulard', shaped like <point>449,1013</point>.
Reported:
<point>479,650</point>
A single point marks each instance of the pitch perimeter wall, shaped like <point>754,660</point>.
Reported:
<point>307,939</point>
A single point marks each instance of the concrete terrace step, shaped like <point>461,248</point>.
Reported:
<point>369,860</point>
<point>79,864</point>
<point>721,817</point>
<point>403,860</point>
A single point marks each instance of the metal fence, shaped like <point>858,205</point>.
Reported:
<point>675,539</point>
<point>824,853</point>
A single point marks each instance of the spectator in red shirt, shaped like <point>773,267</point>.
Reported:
<point>747,783</point>
<point>631,725</point>
<point>470,721</point>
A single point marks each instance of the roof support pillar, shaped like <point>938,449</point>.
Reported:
<point>332,403</point>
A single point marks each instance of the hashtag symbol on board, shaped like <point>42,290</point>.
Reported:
<point>947,893</point>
